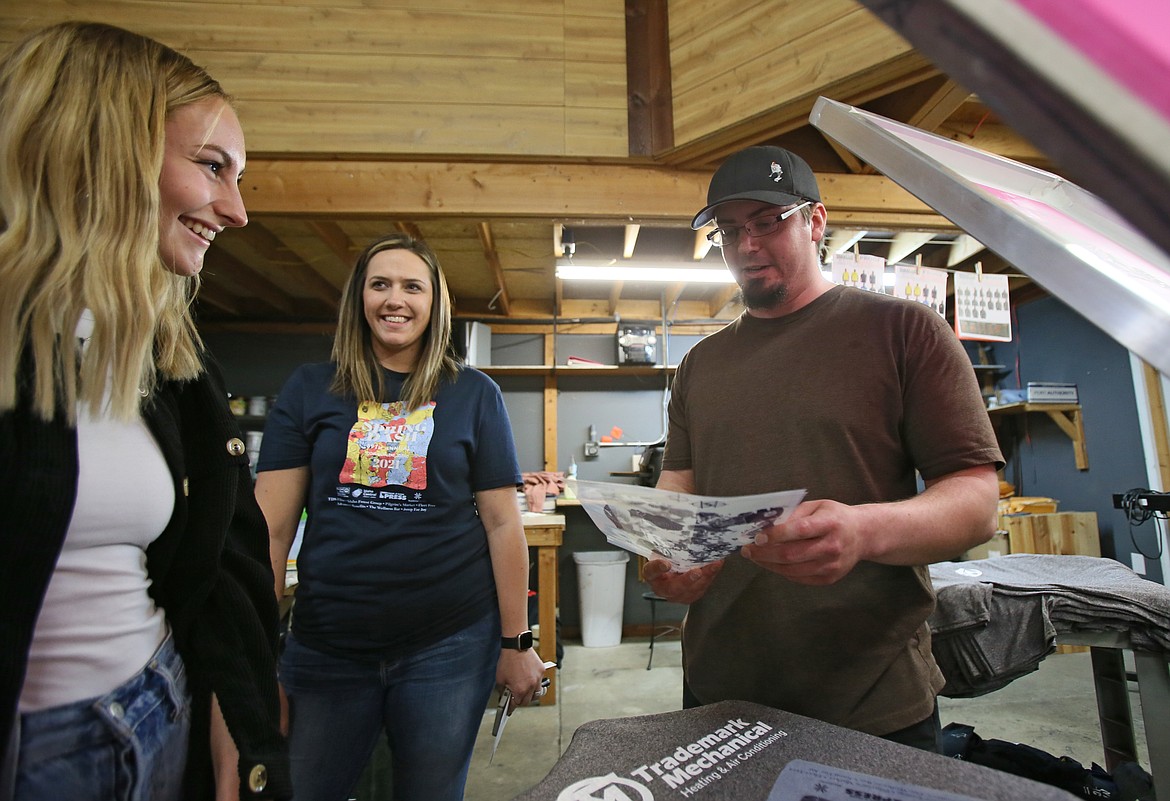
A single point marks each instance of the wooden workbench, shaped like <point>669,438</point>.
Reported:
<point>545,533</point>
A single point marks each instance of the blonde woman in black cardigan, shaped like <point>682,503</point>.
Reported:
<point>138,651</point>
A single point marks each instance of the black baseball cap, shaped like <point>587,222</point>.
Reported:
<point>766,173</point>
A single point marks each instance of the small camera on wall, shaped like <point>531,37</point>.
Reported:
<point>636,345</point>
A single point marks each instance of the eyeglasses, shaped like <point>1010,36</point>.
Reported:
<point>760,226</point>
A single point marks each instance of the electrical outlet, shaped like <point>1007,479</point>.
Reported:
<point>1139,563</point>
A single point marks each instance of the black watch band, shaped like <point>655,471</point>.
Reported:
<point>521,642</point>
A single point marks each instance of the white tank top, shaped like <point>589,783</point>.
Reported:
<point>97,626</point>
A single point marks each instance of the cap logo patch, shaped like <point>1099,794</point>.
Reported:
<point>777,172</point>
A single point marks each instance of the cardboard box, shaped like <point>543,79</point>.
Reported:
<point>1062,533</point>
<point>998,545</point>
<point>1024,505</point>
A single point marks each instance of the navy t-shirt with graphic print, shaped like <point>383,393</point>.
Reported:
<point>394,555</point>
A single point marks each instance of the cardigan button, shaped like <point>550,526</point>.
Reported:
<point>235,446</point>
<point>258,778</point>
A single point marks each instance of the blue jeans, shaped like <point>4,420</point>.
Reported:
<point>429,703</point>
<point>128,745</point>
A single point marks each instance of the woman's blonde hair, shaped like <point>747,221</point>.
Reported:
<point>82,138</point>
<point>358,371</point>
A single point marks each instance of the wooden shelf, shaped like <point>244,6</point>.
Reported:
<point>1067,417</point>
<point>988,374</point>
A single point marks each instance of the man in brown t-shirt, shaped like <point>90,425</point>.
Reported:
<point>851,395</point>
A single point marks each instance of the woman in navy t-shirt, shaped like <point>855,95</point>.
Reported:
<point>413,570</point>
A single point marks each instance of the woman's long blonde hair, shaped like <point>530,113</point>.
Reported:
<point>82,137</point>
<point>358,372</point>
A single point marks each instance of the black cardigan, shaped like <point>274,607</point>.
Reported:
<point>209,570</point>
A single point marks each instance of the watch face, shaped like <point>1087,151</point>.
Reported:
<point>521,642</point>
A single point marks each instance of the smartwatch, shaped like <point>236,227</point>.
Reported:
<point>521,642</point>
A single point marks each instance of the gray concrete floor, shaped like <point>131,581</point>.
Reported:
<point>1053,709</point>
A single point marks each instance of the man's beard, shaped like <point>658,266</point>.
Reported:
<point>762,297</point>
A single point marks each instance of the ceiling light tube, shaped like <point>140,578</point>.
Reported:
<point>633,272</point>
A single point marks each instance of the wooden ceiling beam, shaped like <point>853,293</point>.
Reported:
<point>881,80</point>
<point>215,296</point>
<point>944,102</point>
<point>721,299</point>
<point>410,229</point>
<point>650,118</point>
<point>335,239</point>
<point>269,247</point>
<point>905,243</point>
<point>851,162</point>
<point>631,240</point>
<point>536,191</point>
<point>702,243</point>
<point>493,259</point>
<point>943,97</point>
<point>615,294</point>
<point>234,271</point>
<point>671,294</point>
<point>963,248</point>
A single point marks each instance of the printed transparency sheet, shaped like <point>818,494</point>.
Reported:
<point>687,530</point>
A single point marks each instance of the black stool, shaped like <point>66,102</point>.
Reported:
<point>654,598</point>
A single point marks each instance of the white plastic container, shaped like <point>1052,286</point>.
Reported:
<point>601,581</point>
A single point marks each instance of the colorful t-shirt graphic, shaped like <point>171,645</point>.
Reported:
<point>388,446</point>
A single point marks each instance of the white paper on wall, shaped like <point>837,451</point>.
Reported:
<point>922,285</point>
<point>862,272</point>
<point>982,307</point>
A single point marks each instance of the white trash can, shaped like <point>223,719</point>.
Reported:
<point>601,582</point>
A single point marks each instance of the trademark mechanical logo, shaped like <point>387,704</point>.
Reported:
<point>606,788</point>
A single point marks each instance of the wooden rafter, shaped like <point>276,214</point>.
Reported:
<point>671,294</point>
<point>631,239</point>
<point>493,259</point>
<point>216,297</point>
<point>410,229</point>
<point>941,104</point>
<point>648,85</point>
<point>615,294</point>
<point>721,299</point>
<point>504,190</point>
<point>236,272</point>
<point>269,246</point>
<point>702,243</point>
<point>334,238</point>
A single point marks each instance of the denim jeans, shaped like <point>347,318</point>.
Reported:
<point>128,745</point>
<point>429,703</point>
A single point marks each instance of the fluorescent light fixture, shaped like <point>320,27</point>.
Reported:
<point>628,272</point>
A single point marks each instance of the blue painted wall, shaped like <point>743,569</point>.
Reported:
<point>1051,342</point>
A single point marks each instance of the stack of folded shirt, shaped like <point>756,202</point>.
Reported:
<point>996,619</point>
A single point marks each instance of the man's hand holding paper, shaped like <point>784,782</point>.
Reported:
<point>683,587</point>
